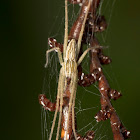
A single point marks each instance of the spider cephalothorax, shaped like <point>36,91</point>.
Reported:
<point>70,64</point>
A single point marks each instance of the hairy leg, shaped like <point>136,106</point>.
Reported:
<point>73,113</point>
<point>82,28</point>
<point>59,55</point>
<point>66,29</point>
<point>57,104</point>
<point>84,54</point>
<point>73,87</point>
<point>62,81</point>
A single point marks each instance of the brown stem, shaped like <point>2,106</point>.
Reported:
<point>107,110</point>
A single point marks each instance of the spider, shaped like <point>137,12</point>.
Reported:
<point>68,74</point>
<point>68,77</point>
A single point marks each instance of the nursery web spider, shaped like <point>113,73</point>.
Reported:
<point>68,74</point>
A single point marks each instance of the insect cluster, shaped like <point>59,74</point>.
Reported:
<point>70,55</point>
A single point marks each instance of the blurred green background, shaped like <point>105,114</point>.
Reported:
<point>24,29</point>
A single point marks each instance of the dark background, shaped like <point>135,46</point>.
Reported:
<point>24,29</point>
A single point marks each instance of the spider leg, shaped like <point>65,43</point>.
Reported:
<point>47,105</point>
<point>53,43</point>
<point>88,79</point>
<point>59,55</point>
<point>72,97</point>
<point>62,81</point>
<point>66,29</point>
<point>57,103</point>
<point>82,28</point>
<point>73,114</point>
<point>83,79</point>
<point>84,54</point>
